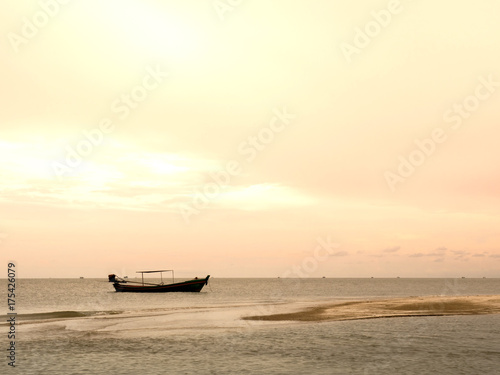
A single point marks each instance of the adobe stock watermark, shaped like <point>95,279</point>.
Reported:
<point>291,279</point>
<point>455,116</point>
<point>323,250</point>
<point>221,7</point>
<point>122,107</point>
<point>31,26</point>
<point>249,148</point>
<point>363,36</point>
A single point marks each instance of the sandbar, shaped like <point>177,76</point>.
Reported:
<point>392,308</point>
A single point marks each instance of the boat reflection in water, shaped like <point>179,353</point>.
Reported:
<point>122,285</point>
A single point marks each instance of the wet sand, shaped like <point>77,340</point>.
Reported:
<point>391,308</point>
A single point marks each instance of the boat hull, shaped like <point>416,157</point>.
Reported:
<point>195,285</point>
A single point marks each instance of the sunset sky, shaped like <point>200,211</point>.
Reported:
<point>236,138</point>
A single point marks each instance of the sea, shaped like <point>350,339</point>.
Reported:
<point>82,326</point>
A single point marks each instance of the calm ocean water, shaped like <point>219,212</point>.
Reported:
<point>73,326</point>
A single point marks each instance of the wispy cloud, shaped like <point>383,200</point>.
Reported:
<point>340,254</point>
<point>392,249</point>
<point>439,252</point>
<point>126,177</point>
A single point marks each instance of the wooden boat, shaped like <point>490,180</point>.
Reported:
<point>122,285</point>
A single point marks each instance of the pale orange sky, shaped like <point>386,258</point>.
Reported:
<point>370,124</point>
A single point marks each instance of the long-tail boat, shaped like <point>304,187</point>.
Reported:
<point>122,285</point>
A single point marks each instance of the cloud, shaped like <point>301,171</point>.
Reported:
<point>392,249</point>
<point>124,176</point>
<point>460,252</point>
<point>339,254</point>
<point>435,254</point>
<point>438,252</point>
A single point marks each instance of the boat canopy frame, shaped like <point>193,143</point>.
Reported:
<point>161,275</point>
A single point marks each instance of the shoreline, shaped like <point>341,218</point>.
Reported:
<point>391,308</point>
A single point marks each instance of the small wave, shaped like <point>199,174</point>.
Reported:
<point>60,315</point>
